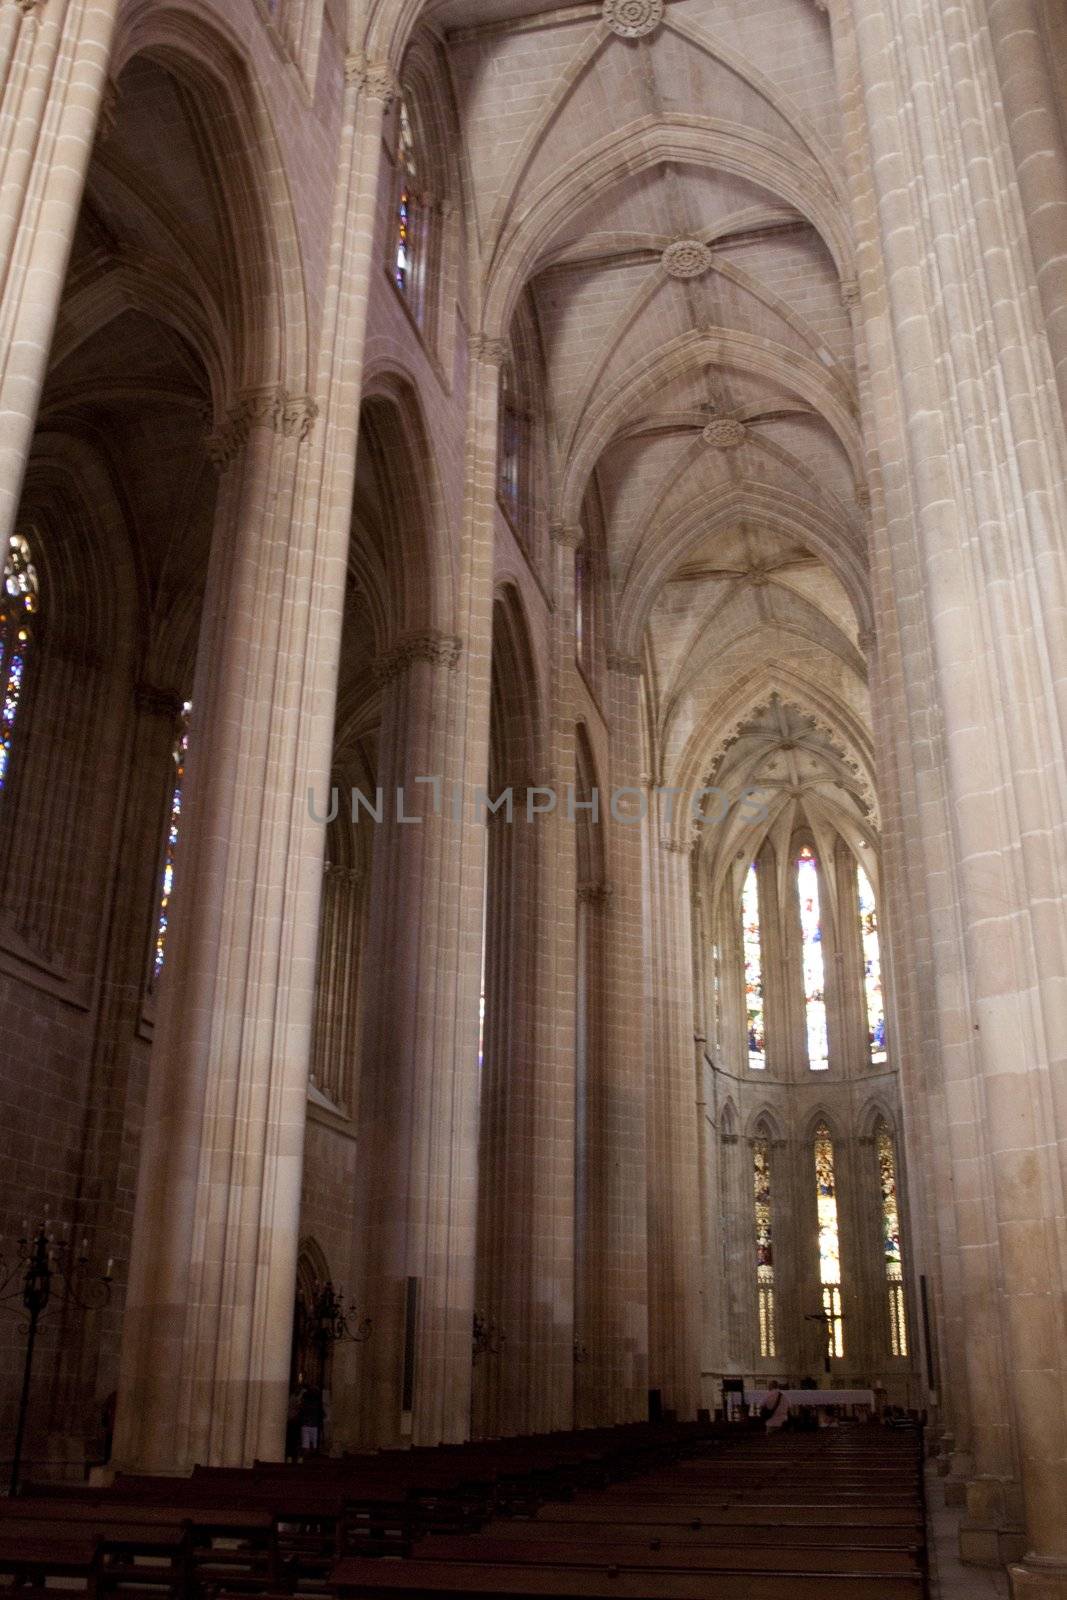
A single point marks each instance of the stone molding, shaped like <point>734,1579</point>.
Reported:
<point>436,649</point>
<point>568,534</point>
<point>289,415</point>
<point>724,433</point>
<point>686,258</point>
<point>493,351</point>
<point>372,76</point>
<point>633,19</point>
<point>629,666</point>
<point>109,106</point>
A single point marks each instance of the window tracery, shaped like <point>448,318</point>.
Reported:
<point>813,965</point>
<point>829,1240</point>
<point>872,968</point>
<point>19,607</point>
<point>761,1172</point>
<point>410,247</point>
<point>891,1246</point>
<point>753,956</point>
<point>179,756</point>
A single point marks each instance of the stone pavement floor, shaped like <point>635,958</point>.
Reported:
<point>949,1578</point>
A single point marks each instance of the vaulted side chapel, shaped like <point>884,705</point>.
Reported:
<point>533,725</point>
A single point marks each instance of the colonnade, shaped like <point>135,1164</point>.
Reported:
<point>957,203</point>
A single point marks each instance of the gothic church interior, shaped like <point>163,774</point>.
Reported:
<point>533,695</point>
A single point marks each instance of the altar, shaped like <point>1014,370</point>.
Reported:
<point>755,1398</point>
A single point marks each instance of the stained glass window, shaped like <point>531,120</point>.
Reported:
<point>872,968</point>
<point>510,474</point>
<point>829,1241</point>
<point>405,264</point>
<point>19,604</point>
<point>761,1167</point>
<point>814,973</point>
<point>180,753</point>
<point>894,1258</point>
<point>750,934</point>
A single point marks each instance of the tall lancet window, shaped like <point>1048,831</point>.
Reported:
<point>829,1241</point>
<point>753,952</point>
<point>511,487</point>
<point>814,971</point>
<point>174,818</point>
<point>894,1258</point>
<point>872,968</point>
<point>19,599</point>
<point>761,1172</point>
<point>409,250</point>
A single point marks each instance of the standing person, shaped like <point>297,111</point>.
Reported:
<point>776,1411</point>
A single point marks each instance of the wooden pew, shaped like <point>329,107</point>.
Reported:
<point>747,1557</point>
<point>356,1579</point>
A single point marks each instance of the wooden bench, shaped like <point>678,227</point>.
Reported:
<point>660,1557</point>
<point>380,1580</point>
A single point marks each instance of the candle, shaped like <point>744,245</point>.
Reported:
<point>110,1264</point>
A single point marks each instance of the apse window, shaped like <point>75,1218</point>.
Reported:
<point>761,1173</point>
<point>872,970</point>
<point>19,609</point>
<point>179,756</point>
<point>813,966</point>
<point>894,1255</point>
<point>753,954</point>
<point>829,1242</point>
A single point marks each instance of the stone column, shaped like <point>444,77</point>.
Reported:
<point>206,1341</point>
<point>912,803</point>
<point>419,1091</point>
<point>1033,108</point>
<point>205,1366</point>
<point>617,1338</point>
<point>419,1085</point>
<point>984,453</point>
<point>53,66</point>
<point>673,1171</point>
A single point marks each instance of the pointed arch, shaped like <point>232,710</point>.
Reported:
<point>263,288</point>
<point>406,512</point>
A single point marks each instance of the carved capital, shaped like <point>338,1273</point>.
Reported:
<point>436,649</point>
<point>850,294</point>
<point>351,877</point>
<point>372,76</point>
<point>679,847</point>
<point>863,497</point>
<point>492,351</point>
<point>290,415</point>
<point>569,535</point>
<point>868,641</point>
